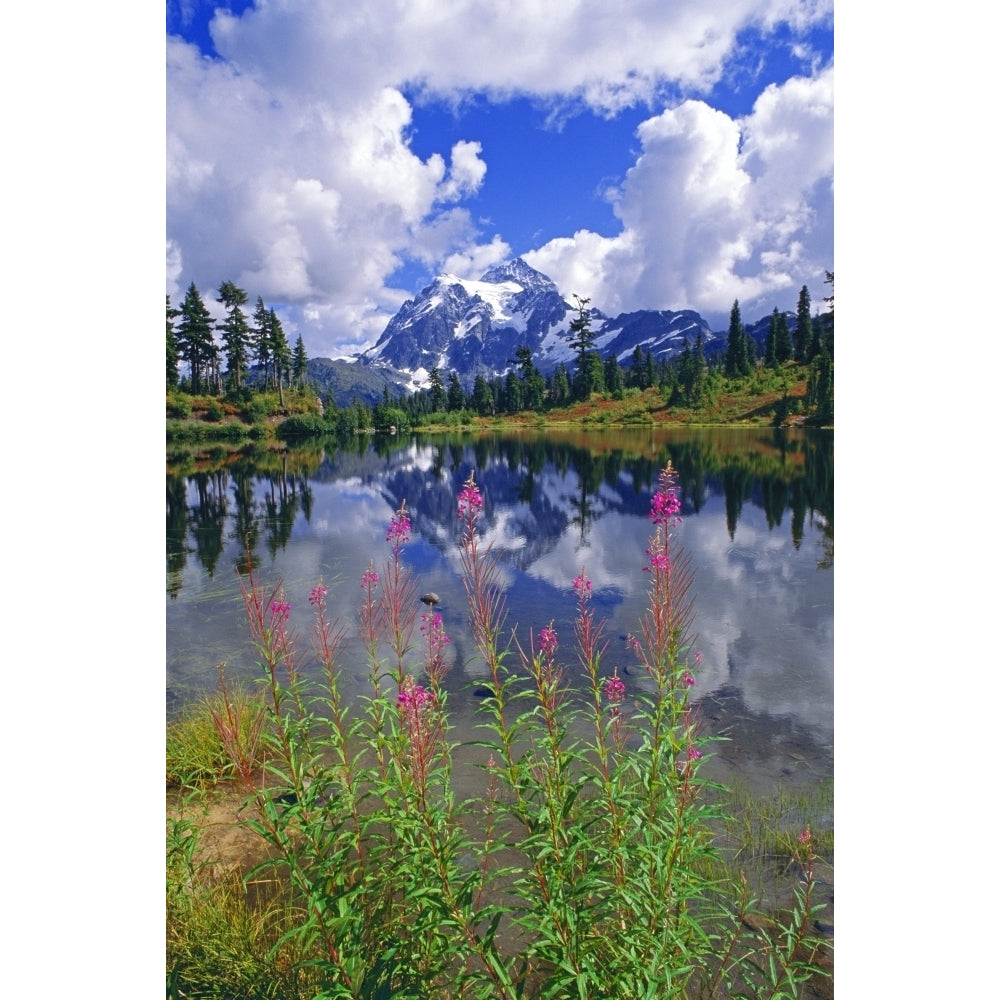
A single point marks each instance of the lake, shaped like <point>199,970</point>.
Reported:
<point>757,509</point>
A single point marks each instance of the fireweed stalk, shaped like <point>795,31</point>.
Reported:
<point>594,807</point>
<point>481,578</point>
<point>397,609</point>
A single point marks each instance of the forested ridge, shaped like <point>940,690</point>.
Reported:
<point>244,368</point>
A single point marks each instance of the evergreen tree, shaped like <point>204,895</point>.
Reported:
<point>783,342</point>
<point>532,383</point>
<point>235,333</point>
<point>456,394</point>
<point>648,370</point>
<point>820,385</point>
<point>438,397</point>
<point>194,338</point>
<point>262,337</point>
<point>300,362</point>
<point>595,373</point>
<point>582,341</point>
<point>482,397</point>
<point>737,347</point>
<point>771,344</point>
<point>559,391</point>
<point>803,328</point>
<point>614,382</point>
<point>281,352</point>
<point>513,393</point>
<point>634,376</point>
<point>695,373</point>
<point>173,352</point>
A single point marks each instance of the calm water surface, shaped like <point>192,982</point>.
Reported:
<point>757,508</point>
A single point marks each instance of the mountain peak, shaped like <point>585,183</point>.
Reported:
<point>515,270</point>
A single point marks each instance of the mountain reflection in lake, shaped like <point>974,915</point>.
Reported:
<point>757,508</point>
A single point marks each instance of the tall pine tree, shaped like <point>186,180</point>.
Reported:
<point>737,346</point>
<point>173,353</point>
<point>281,353</point>
<point>456,394</point>
<point>235,333</point>
<point>262,337</point>
<point>300,362</point>
<point>194,339</point>
<point>581,340</point>
<point>783,343</point>
<point>803,328</point>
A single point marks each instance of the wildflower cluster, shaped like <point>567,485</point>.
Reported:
<point>665,506</point>
<point>412,701</point>
<point>399,527</point>
<point>614,689</point>
<point>548,641</point>
<point>470,500</point>
<point>421,726</point>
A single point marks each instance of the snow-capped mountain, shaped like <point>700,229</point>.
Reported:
<point>474,327</point>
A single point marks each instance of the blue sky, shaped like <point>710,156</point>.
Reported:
<point>334,158</point>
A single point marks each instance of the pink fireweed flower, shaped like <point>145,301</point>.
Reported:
<point>697,659</point>
<point>547,640</point>
<point>399,527</point>
<point>582,587</point>
<point>688,680</point>
<point>805,836</point>
<point>317,594</point>
<point>281,610</point>
<point>657,561</point>
<point>369,579</point>
<point>694,753</point>
<point>413,698</point>
<point>470,500</point>
<point>665,505</point>
<point>614,689</point>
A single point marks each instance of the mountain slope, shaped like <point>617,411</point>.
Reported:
<point>474,327</point>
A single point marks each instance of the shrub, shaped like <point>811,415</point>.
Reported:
<point>302,426</point>
<point>255,411</point>
<point>214,411</point>
<point>178,406</point>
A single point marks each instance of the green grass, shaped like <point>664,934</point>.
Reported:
<point>220,944</point>
<point>196,756</point>
<point>760,834</point>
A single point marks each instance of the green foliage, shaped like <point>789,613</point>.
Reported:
<point>179,431</point>
<point>256,410</point>
<point>178,406</point>
<point>214,411</point>
<point>302,426</point>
